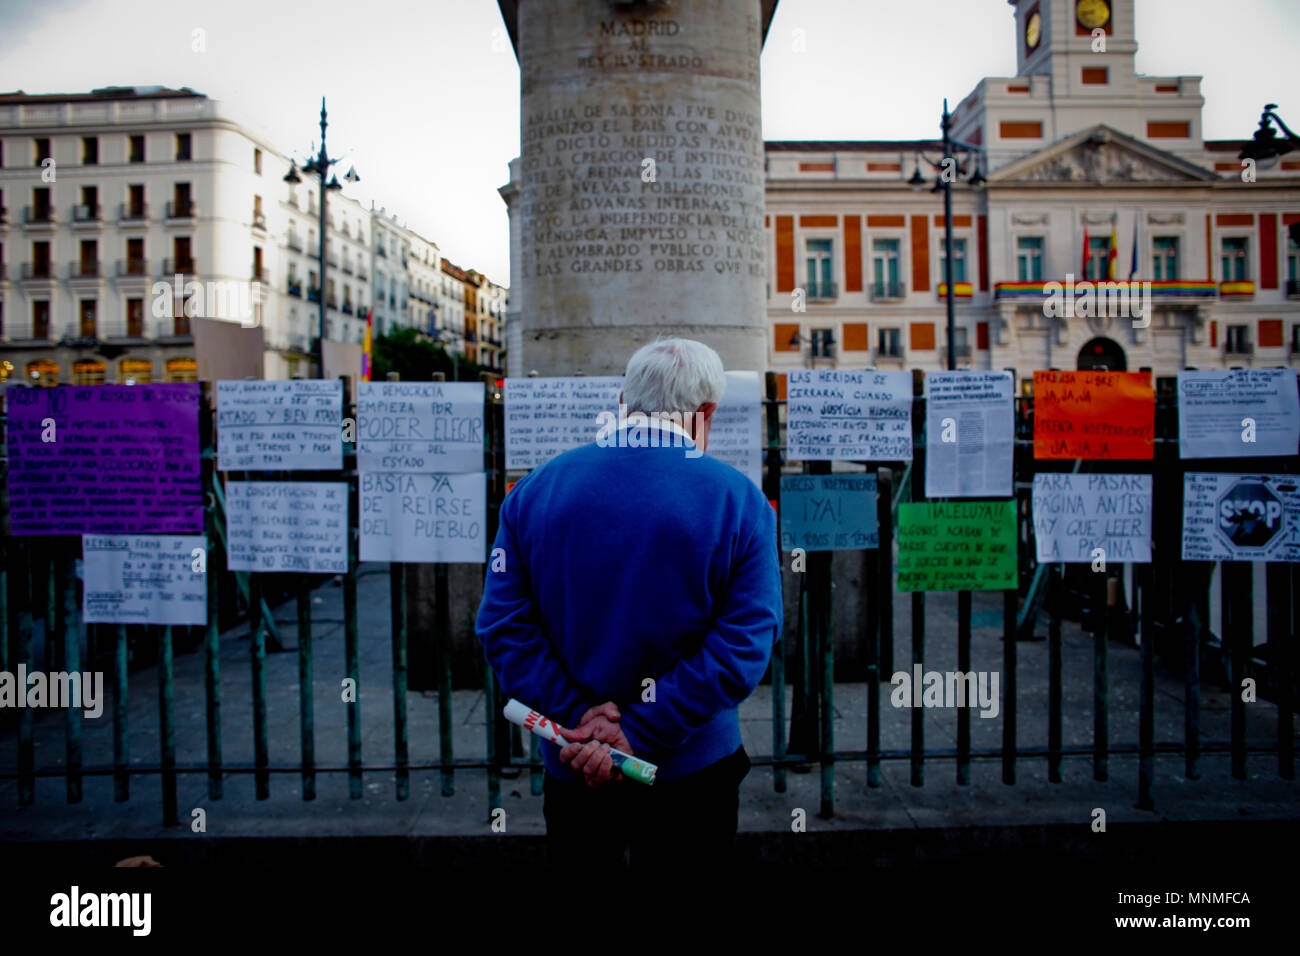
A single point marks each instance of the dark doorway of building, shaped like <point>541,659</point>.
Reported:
<point>1102,355</point>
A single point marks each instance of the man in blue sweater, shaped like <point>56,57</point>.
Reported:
<point>638,605</point>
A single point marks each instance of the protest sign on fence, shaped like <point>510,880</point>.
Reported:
<point>280,426</point>
<point>736,431</point>
<point>828,512</point>
<point>545,417</point>
<point>144,579</point>
<point>423,517</point>
<point>1075,515</point>
<point>970,434</point>
<point>837,415</point>
<point>104,459</point>
<point>287,526</point>
<point>1094,415</point>
<point>1241,517</point>
<point>422,427</point>
<point>1238,413</point>
<point>956,546</point>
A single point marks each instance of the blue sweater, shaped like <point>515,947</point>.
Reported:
<point>623,564</point>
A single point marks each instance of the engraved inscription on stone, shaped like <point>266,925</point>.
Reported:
<point>641,184</point>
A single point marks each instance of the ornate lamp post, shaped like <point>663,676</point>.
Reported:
<point>320,166</point>
<point>949,169</point>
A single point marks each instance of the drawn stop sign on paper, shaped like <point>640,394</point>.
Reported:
<point>1249,514</point>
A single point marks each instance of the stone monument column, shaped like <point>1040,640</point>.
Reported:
<point>640,180</point>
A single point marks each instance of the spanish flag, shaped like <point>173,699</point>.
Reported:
<point>367,347</point>
<point>1113,258</point>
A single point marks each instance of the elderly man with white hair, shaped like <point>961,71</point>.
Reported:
<point>638,604</point>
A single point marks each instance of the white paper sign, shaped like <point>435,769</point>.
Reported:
<point>1238,414</point>
<point>736,432</point>
<point>970,434</point>
<point>144,579</point>
<point>274,426</point>
<point>1241,517</point>
<point>424,518</point>
<point>287,526</point>
<point>1074,515</point>
<point>835,415</point>
<point>546,417</point>
<point>420,427</point>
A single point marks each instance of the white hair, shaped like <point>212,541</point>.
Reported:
<point>673,376</point>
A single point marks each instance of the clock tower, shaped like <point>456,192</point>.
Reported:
<point>1075,70</point>
<point>1056,36</point>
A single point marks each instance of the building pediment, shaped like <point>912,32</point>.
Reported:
<point>1101,155</point>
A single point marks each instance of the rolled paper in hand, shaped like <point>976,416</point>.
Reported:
<point>544,727</point>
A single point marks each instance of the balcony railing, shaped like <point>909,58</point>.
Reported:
<point>886,291</point>
<point>294,242</point>
<point>37,270</point>
<point>180,209</point>
<point>313,295</point>
<point>133,267</point>
<point>133,212</point>
<point>347,268</point>
<point>295,288</point>
<point>1238,347</point>
<point>822,290</point>
<point>381,253</point>
<point>960,350</point>
<point>4,214</point>
<point>85,213</point>
<point>347,308</point>
<point>332,302</point>
<point>84,269</point>
<point>361,275</point>
<point>182,266</point>
<point>259,221</point>
<point>38,215</point>
<point>257,273</point>
<point>1293,288</point>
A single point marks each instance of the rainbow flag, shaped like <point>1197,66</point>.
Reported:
<point>367,347</point>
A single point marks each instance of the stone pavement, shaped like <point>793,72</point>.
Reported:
<point>1029,811</point>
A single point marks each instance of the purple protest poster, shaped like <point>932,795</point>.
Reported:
<point>104,459</point>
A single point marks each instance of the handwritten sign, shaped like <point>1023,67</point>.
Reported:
<point>736,430</point>
<point>1241,517</point>
<point>420,427</point>
<point>957,546</point>
<point>274,426</point>
<point>424,518</point>
<point>545,417</point>
<point>1075,515</point>
<point>828,512</point>
<point>1238,414</point>
<point>1094,415</point>
<point>287,526</point>
<point>144,579</point>
<point>970,434</point>
<point>840,415</point>
<point>104,459</point>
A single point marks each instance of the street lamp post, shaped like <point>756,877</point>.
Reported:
<point>949,169</point>
<point>321,166</point>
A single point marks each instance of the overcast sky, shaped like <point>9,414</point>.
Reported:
<point>424,94</point>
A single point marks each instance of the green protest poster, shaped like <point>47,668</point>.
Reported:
<point>957,546</point>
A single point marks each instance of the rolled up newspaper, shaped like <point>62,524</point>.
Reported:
<point>523,715</point>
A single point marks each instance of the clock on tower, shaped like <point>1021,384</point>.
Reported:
<point>1092,14</point>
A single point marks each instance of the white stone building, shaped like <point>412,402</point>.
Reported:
<point>107,197</point>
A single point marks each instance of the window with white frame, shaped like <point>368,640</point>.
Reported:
<point>1029,259</point>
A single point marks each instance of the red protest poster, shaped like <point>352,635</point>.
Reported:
<point>1094,415</point>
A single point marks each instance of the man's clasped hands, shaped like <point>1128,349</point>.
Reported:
<point>589,751</point>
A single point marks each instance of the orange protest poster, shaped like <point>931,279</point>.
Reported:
<point>1094,415</point>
